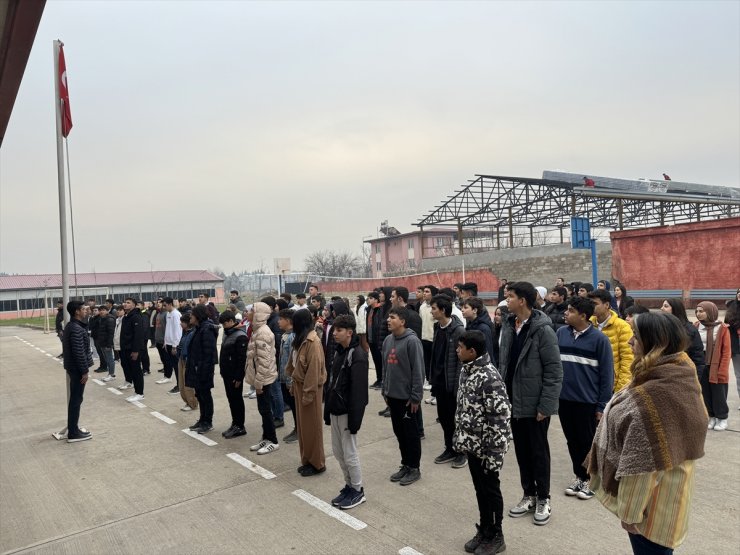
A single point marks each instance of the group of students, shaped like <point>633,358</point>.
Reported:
<point>492,380</point>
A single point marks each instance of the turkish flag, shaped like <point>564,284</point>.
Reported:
<point>64,94</point>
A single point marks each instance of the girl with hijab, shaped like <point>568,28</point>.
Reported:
<point>695,349</point>
<point>715,379</point>
<point>308,372</point>
<point>643,458</point>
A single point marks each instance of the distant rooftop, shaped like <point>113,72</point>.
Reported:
<point>54,281</point>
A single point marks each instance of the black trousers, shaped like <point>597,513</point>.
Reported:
<point>427,346</point>
<point>264,407</point>
<point>289,400</point>
<point>446,405</point>
<point>162,355</point>
<point>377,355</point>
<point>533,455</point>
<point>488,493</point>
<point>406,429</point>
<point>101,356</point>
<point>145,363</point>
<point>579,426</point>
<point>135,374</point>
<point>76,392</point>
<point>715,396</point>
<point>205,401</point>
<point>236,401</point>
<point>170,364</point>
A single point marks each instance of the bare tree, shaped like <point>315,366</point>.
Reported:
<point>333,264</point>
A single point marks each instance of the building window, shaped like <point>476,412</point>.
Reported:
<point>440,241</point>
<point>411,243</point>
<point>377,248</point>
<point>377,266</point>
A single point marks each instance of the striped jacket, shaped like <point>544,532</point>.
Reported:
<point>588,367</point>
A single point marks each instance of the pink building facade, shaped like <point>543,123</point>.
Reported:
<point>404,252</point>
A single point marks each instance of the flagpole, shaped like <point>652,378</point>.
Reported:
<point>62,434</point>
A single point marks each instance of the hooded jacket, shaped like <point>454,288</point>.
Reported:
<point>133,331</point>
<point>403,366</point>
<point>347,391</point>
<point>556,312</point>
<point>538,375</point>
<point>483,324</point>
<point>202,356</point>
<point>233,357</point>
<point>446,338</point>
<point>261,364</point>
<point>483,414</point>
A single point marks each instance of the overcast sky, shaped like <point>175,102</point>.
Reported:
<point>225,134</point>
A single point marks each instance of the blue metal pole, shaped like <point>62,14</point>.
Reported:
<point>594,266</point>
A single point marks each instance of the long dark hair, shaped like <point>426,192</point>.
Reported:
<point>200,313</point>
<point>678,309</point>
<point>302,325</point>
<point>360,302</point>
<point>732,316</point>
<point>661,334</point>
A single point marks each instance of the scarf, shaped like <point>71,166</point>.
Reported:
<point>710,323</point>
<point>655,423</point>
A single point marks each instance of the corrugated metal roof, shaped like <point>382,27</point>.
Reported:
<point>54,281</point>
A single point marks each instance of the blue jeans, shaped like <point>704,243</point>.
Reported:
<point>276,401</point>
<point>263,406</point>
<point>643,546</point>
<point>110,360</point>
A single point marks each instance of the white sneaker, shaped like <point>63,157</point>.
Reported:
<point>252,395</point>
<point>427,386</point>
<point>721,425</point>
<point>131,397</point>
<point>574,488</point>
<point>186,408</point>
<point>269,448</point>
<point>164,380</point>
<point>109,378</point>
<point>260,445</point>
<point>135,398</point>
<point>712,423</point>
<point>542,512</point>
<point>126,385</point>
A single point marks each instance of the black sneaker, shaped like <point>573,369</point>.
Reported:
<point>100,370</point>
<point>174,391</point>
<point>352,499</point>
<point>79,436</point>
<point>204,428</point>
<point>472,544</point>
<point>376,385</point>
<point>227,433</point>
<point>342,494</point>
<point>402,470</point>
<point>234,431</point>
<point>385,412</point>
<point>311,470</point>
<point>279,423</point>
<point>461,461</point>
<point>195,426</point>
<point>147,373</point>
<point>411,476</point>
<point>447,456</point>
<point>302,468</point>
<point>292,437</point>
<point>491,546</point>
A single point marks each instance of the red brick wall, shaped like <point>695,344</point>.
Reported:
<point>702,255</point>
<point>486,280</point>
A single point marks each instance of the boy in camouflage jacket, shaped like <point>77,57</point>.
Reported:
<point>483,431</point>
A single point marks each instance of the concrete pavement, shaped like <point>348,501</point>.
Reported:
<point>143,486</point>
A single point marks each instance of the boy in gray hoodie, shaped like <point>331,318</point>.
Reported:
<point>403,382</point>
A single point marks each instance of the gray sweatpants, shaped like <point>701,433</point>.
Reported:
<point>344,446</point>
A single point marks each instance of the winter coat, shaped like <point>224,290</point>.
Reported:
<point>619,333</point>
<point>92,327</point>
<point>403,367</point>
<point>483,414</point>
<point>59,321</point>
<point>446,338</point>
<point>484,324</point>
<point>286,346</point>
<point>414,322</point>
<point>106,331</point>
<point>76,348</point>
<point>133,332</point>
<point>274,325</point>
<point>625,303</point>
<point>347,391</point>
<point>556,313</point>
<point>361,318</point>
<point>160,323</point>
<point>538,375</point>
<point>719,366</point>
<point>306,366</point>
<point>695,350</point>
<point>261,363</point>
<point>202,356</point>
<point>233,356</point>
<point>382,324</point>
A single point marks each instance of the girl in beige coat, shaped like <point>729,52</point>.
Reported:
<point>306,367</point>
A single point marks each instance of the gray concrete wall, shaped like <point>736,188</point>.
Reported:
<point>539,265</point>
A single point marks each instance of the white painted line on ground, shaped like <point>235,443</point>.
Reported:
<point>114,390</point>
<point>99,382</point>
<point>138,404</point>
<point>39,349</point>
<point>200,437</point>
<point>249,465</point>
<point>324,507</point>
<point>409,551</point>
<point>163,418</point>
<point>48,354</point>
<point>30,344</point>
